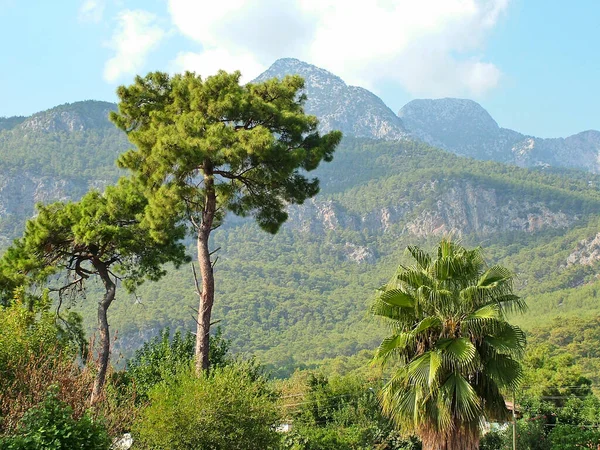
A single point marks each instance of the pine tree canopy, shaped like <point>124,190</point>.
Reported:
<point>254,142</point>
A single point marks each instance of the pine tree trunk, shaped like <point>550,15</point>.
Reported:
<point>207,297</point>
<point>104,352</point>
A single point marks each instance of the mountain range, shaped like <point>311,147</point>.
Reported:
<point>302,295</point>
<point>460,126</point>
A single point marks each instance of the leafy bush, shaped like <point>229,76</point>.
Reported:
<point>35,354</point>
<point>228,409</point>
<point>572,437</point>
<point>492,441</point>
<point>52,426</point>
<point>339,413</point>
<point>162,357</point>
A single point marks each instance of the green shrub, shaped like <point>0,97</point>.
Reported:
<point>340,413</point>
<point>229,409</point>
<point>492,441</point>
<point>162,357</point>
<point>572,437</point>
<point>36,353</point>
<point>51,426</point>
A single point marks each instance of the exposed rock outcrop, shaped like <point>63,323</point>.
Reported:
<point>586,253</point>
<point>460,207</point>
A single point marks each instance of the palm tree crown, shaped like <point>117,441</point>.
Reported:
<point>455,350</point>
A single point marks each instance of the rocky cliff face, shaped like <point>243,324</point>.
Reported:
<point>19,192</point>
<point>77,116</point>
<point>580,151</point>
<point>460,208</point>
<point>350,109</point>
<point>465,128</point>
<point>587,252</point>
<point>465,208</point>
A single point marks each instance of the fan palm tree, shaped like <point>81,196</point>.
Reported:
<point>455,350</point>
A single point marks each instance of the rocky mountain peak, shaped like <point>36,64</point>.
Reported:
<point>70,117</point>
<point>350,109</point>
<point>464,127</point>
<point>311,74</point>
<point>448,113</point>
<point>591,137</point>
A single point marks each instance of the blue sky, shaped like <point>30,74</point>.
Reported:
<point>531,63</point>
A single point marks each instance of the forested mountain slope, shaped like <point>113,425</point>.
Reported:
<point>303,294</point>
<point>54,155</point>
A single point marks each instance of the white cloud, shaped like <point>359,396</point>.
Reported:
<point>136,35</point>
<point>91,11</point>
<point>431,47</point>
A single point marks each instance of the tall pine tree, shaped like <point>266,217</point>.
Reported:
<point>208,147</point>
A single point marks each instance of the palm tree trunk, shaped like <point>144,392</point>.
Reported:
<point>207,296</point>
<point>459,438</point>
<point>104,352</point>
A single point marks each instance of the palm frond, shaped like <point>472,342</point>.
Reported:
<point>415,279</point>
<point>467,404</point>
<point>393,345</point>
<point>503,370</point>
<point>435,366</point>
<point>450,333</point>
<point>423,259</point>
<point>418,370</point>
<point>458,352</point>
<point>426,324</point>
<point>495,275</point>
<point>396,297</point>
<point>511,304</point>
<point>491,311</point>
<point>508,339</point>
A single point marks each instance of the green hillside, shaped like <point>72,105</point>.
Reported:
<point>303,295</point>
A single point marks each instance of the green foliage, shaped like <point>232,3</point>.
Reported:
<point>267,284</point>
<point>555,422</point>
<point>339,412</point>
<point>454,348</point>
<point>51,426</point>
<point>531,435</point>
<point>228,409</point>
<point>251,143</point>
<point>491,441</point>
<point>26,330</point>
<point>563,358</point>
<point>573,437</point>
<point>554,377</point>
<point>208,147</point>
<point>163,357</point>
<point>100,228</point>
